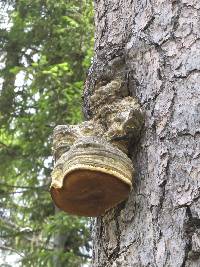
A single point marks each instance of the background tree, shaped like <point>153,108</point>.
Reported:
<point>155,44</point>
<point>46,48</point>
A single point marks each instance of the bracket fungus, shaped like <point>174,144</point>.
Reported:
<point>92,171</point>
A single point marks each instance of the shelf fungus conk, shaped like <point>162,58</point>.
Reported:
<point>93,173</point>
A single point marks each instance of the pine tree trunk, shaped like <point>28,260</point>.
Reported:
<point>156,45</point>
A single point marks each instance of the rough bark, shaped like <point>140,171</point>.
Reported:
<point>155,45</point>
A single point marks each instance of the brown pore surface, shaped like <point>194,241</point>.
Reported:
<point>89,193</point>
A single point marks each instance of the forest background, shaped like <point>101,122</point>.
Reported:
<point>46,50</point>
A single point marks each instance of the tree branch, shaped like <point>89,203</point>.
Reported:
<point>12,250</point>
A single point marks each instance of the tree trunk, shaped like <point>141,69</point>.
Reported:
<point>155,45</point>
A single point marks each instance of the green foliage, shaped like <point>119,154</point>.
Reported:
<point>47,49</point>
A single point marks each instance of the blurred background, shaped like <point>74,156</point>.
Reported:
<point>46,50</point>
